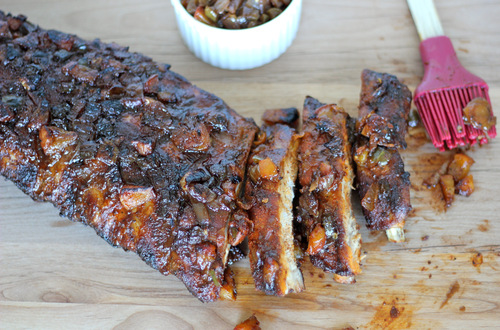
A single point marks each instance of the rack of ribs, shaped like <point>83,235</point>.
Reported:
<point>272,171</point>
<point>383,184</point>
<point>326,177</point>
<point>127,147</point>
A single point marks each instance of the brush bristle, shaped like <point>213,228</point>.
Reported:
<point>442,114</point>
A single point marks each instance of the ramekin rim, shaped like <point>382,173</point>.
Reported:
<point>267,25</point>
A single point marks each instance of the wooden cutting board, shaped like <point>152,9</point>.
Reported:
<point>58,274</point>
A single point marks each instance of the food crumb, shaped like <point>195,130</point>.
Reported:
<point>394,312</point>
<point>477,260</point>
<point>453,289</point>
<point>485,226</point>
<point>392,315</point>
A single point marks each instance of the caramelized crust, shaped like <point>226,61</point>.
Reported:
<point>384,109</point>
<point>272,171</point>
<point>285,116</point>
<point>325,177</point>
<point>126,146</point>
<point>384,186</point>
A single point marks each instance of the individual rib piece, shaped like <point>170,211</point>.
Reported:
<point>272,171</point>
<point>126,146</point>
<point>326,176</point>
<point>384,186</point>
<point>383,109</point>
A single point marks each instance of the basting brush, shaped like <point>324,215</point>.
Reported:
<point>447,87</point>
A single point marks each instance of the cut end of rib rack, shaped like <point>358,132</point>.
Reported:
<point>441,111</point>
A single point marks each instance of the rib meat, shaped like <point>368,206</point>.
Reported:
<point>126,146</point>
<point>384,188</point>
<point>383,184</point>
<point>272,171</point>
<point>383,109</point>
<point>326,176</point>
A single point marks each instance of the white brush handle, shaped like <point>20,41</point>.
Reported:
<point>426,18</point>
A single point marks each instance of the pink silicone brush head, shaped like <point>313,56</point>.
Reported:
<point>447,87</point>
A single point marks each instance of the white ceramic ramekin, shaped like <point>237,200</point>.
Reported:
<point>239,49</point>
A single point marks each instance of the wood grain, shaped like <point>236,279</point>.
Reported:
<point>58,274</point>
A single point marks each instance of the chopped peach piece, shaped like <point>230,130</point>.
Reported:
<point>192,138</point>
<point>478,114</point>
<point>228,288</point>
<point>260,138</point>
<point>465,187</point>
<point>368,202</point>
<point>227,292</point>
<point>54,139</point>
<point>200,15</point>
<point>317,240</point>
<point>460,166</point>
<point>267,168</point>
<point>448,188</point>
<point>144,148</point>
<point>249,324</point>
<point>133,196</point>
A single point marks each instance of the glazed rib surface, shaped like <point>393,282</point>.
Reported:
<point>272,171</point>
<point>383,184</point>
<point>126,146</point>
<point>325,177</point>
<point>383,109</point>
